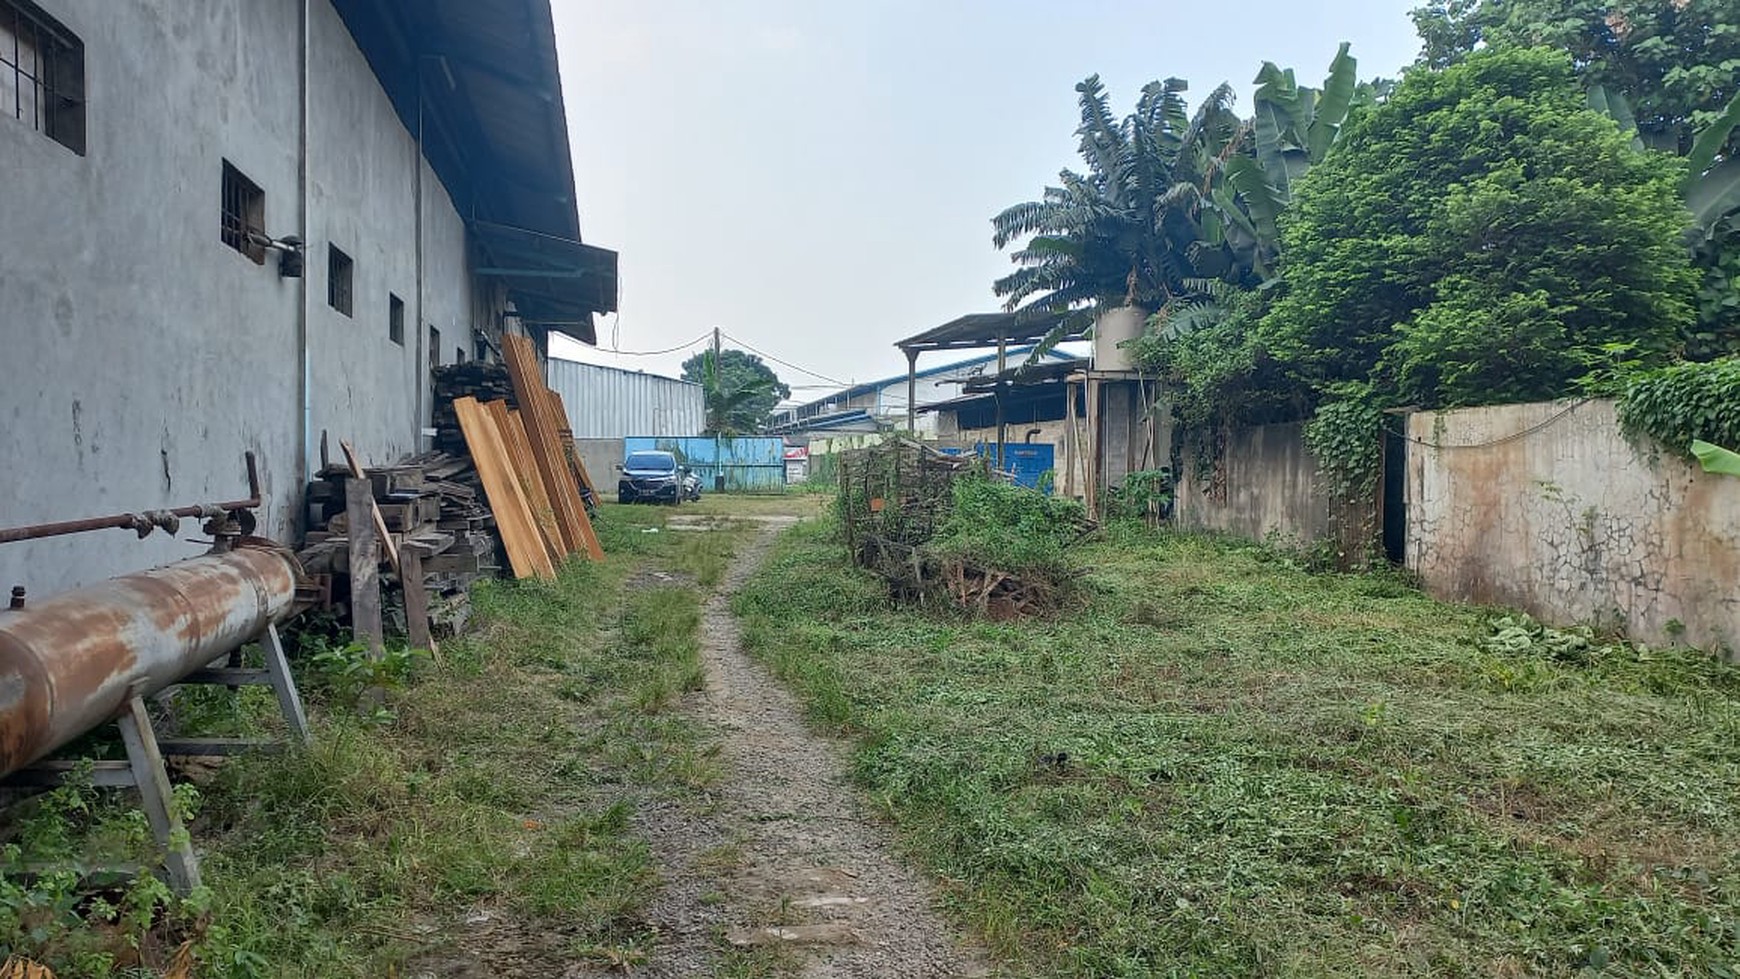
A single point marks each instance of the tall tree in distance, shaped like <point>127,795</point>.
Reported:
<point>740,390</point>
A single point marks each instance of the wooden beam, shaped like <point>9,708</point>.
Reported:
<point>364,564</point>
<point>538,412</point>
<point>356,471</point>
<point>513,438</point>
<point>416,602</point>
<point>573,450</point>
<point>513,517</point>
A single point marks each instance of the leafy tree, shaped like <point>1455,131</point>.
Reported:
<point>1480,236</point>
<point>739,389</point>
<point>1668,70</point>
<point>1676,62</point>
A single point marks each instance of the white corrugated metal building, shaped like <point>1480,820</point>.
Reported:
<point>612,403</point>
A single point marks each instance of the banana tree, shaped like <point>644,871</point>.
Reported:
<point>1293,128</point>
<point>1127,232</point>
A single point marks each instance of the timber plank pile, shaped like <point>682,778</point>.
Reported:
<point>502,493</point>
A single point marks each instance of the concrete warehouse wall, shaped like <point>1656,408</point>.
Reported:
<point>1547,507</point>
<point>143,356</point>
<point>1266,482</point>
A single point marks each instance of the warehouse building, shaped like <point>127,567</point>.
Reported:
<point>243,225</point>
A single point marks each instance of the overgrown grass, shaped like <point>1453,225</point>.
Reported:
<point>497,786</point>
<point>1224,765</point>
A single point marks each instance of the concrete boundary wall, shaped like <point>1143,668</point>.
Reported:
<point>1548,508</point>
<point>1266,482</point>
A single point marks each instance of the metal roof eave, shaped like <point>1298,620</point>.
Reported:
<point>976,330</point>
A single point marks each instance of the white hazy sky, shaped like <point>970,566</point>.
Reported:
<point>818,178</point>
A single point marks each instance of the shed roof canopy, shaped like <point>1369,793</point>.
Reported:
<point>976,330</point>
<point>1052,372</point>
<point>476,81</point>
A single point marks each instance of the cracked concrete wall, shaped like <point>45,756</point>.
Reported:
<point>1548,508</point>
<point>1267,482</point>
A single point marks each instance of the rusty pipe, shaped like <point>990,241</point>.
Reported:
<point>134,521</point>
<point>70,662</point>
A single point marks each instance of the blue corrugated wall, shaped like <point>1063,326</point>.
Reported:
<point>750,465</point>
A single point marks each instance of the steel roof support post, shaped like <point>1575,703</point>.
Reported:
<point>911,391</point>
<point>1002,423</point>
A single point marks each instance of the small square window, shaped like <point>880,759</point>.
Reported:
<point>244,214</point>
<point>434,347</point>
<point>339,269</point>
<point>42,74</point>
<point>396,319</point>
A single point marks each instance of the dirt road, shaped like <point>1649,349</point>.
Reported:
<point>784,863</point>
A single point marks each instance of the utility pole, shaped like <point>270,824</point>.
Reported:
<point>719,419</point>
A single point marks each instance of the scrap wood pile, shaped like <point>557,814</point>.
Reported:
<point>511,498</point>
<point>942,528</point>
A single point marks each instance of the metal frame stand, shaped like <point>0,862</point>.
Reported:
<point>145,771</point>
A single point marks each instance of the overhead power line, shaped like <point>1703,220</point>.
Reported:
<point>787,363</point>
<point>656,353</point>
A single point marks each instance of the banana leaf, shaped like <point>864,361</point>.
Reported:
<point>1716,459</point>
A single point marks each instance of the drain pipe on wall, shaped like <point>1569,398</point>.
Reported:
<point>308,449</point>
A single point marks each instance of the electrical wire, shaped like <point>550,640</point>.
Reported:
<point>784,363</point>
<point>657,353</point>
<point>1514,436</point>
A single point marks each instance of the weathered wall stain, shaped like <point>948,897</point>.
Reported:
<point>1572,523</point>
<point>1272,487</point>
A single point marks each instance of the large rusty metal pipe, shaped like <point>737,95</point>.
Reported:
<point>70,662</point>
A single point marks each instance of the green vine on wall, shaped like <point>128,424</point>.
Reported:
<point>1675,405</point>
<point>1346,437</point>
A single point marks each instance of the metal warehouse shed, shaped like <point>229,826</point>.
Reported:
<point>611,403</point>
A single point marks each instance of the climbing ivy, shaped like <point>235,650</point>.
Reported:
<point>1346,437</point>
<point>1675,405</point>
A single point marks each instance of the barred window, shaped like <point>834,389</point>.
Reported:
<point>42,74</point>
<point>244,214</point>
<point>339,269</point>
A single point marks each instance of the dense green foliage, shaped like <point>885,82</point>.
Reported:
<point>740,391</point>
<point>1480,237</point>
<point>1677,405</point>
<point>1224,766</point>
<point>1676,63</point>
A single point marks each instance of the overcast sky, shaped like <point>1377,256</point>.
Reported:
<point>818,178</point>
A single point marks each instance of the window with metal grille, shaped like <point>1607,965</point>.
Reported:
<point>339,269</point>
<point>396,319</point>
<point>42,74</point>
<point>244,214</point>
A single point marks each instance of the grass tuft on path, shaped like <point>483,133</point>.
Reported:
<point>1223,765</point>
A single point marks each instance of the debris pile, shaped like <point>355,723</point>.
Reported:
<point>432,504</point>
<point>942,528</point>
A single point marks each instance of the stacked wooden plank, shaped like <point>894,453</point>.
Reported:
<point>474,379</point>
<point>503,491</point>
<point>431,506</point>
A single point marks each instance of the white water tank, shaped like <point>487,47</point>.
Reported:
<point>1113,327</point>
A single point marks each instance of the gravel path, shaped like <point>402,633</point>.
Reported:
<point>784,854</point>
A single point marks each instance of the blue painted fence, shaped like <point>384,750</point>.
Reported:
<point>749,465</point>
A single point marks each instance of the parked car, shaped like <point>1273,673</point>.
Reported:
<point>657,477</point>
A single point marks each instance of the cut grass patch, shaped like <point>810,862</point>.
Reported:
<point>1221,764</point>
